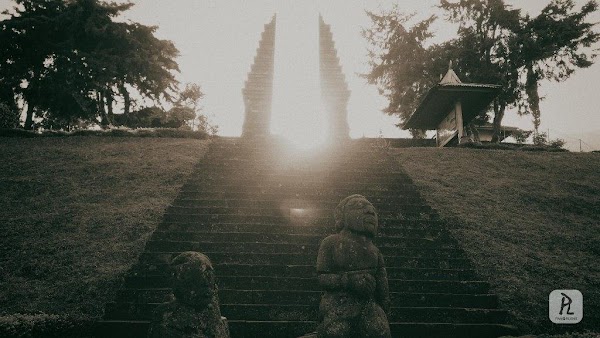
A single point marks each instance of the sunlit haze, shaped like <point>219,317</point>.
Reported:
<point>218,41</point>
<point>297,113</point>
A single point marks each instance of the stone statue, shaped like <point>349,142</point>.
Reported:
<point>194,313</point>
<point>352,273</point>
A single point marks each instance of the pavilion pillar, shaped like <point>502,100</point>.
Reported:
<point>334,89</point>
<point>258,89</point>
<point>459,120</point>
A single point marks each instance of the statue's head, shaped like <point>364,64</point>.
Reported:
<point>357,214</point>
<point>194,281</point>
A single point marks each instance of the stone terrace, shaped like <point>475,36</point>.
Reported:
<point>259,214</point>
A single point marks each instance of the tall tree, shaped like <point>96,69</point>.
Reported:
<point>30,38</point>
<point>401,66</point>
<point>485,34</point>
<point>75,47</point>
<point>551,46</point>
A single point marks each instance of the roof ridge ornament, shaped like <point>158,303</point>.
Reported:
<point>450,78</point>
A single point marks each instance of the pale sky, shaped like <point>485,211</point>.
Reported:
<point>218,40</point>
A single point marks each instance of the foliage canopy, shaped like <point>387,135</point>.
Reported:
<point>69,60</point>
<point>494,44</point>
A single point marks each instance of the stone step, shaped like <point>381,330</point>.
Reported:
<point>232,296</point>
<point>332,153</point>
<point>295,312</point>
<point>292,203</point>
<point>225,168</point>
<point>306,259</point>
<point>308,196</point>
<point>429,228</point>
<point>266,156</point>
<point>293,329</point>
<point>348,149</point>
<point>352,150</point>
<point>229,228</point>
<point>311,284</point>
<point>325,176</point>
<point>416,247</point>
<point>300,165</point>
<point>299,220</point>
<point>163,269</point>
<point>406,239</point>
<point>408,314</point>
<point>331,179</point>
<point>399,212</point>
<point>300,186</point>
<point>263,154</point>
<point>121,329</point>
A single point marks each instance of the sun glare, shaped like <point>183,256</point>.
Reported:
<point>297,110</point>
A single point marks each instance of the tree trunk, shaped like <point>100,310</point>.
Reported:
<point>473,132</point>
<point>101,109</point>
<point>109,104</point>
<point>498,116</point>
<point>29,117</point>
<point>533,97</point>
<point>126,99</point>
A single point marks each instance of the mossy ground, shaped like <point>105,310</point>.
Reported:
<point>75,213</point>
<point>530,221</point>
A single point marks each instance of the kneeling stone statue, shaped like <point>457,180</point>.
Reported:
<point>352,273</point>
<point>195,311</point>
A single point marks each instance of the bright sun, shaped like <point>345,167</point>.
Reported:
<point>297,110</point>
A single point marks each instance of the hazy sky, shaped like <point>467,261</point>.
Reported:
<point>218,40</point>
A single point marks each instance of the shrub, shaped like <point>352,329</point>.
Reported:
<point>558,143</point>
<point>17,133</point>
<point>9,118</point>
<point>521,136</point>
<point>540,139</point>
<point>510,146</point>
<point>44,325</point>
<point>115,132</point>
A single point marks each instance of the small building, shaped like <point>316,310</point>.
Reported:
<point>449,106</point>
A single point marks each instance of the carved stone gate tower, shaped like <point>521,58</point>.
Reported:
<point>258,89</point>
<point>334,89</point>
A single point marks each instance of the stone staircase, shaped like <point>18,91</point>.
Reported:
<point>259,213</point>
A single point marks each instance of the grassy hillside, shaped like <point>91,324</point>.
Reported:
<point>530,221</point>
<point>75,213</point>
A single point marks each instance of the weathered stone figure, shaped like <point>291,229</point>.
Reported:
<point>195,311</point>
<point>352,273</point>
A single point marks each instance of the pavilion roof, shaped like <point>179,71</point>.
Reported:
<point>439,101</point>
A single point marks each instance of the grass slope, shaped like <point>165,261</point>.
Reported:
<point>530,221</point>
<point>75,213</point>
